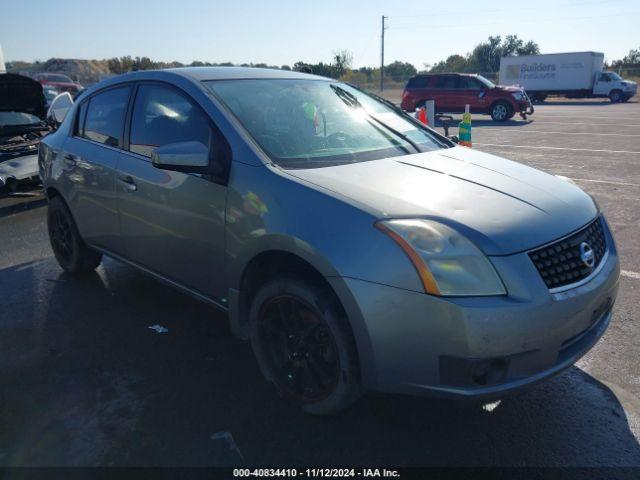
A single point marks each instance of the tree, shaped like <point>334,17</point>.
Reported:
<point>400,71</point>
<point>632,59</point>
<point>342,60</point>
<point>120,65</point>
<point>485,57</point>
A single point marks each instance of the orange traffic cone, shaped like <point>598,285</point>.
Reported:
<point>422,115</point>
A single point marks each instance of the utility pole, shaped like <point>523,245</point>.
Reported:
<point>382,54</point>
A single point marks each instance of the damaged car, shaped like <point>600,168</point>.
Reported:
<point>354,247</point>
<point>22,127</point>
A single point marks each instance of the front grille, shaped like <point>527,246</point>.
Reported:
<point>560,263</point>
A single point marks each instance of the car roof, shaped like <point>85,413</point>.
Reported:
<point>446,73</point>
<point>198,74</point>
<point>238,73</point>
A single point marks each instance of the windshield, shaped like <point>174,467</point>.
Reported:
<point>17,118</point>
<point>487,83</point>
<point>614,76</point>
<point>313,123</point>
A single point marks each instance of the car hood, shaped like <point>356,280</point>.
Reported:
<point>510,88</point>
<point>503,206</point>
<point>21,94</point>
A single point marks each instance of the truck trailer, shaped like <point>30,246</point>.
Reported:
<point>571,75</point>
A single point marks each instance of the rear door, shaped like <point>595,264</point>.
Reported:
<point>172,222</point>
<point>445,91</point>
<point>90,161</point>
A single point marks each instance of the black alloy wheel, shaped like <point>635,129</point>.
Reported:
<point>300,349</point>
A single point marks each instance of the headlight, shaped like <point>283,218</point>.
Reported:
<point>518,96</point>
<point>447,263</point>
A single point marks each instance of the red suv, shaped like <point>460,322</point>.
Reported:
<point>452,91</point>
<point>58,81</point>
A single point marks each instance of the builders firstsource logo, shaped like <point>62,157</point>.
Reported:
<point>537,71</point>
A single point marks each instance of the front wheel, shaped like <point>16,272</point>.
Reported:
<point>70,251</point>
<point>304,346</point>
<point>501,111</point>
<point>615,96</point>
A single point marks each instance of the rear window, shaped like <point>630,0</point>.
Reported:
<point>105,116</point>
<point>418,82</point>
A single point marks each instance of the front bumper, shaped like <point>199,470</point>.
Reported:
<point>410,342</point>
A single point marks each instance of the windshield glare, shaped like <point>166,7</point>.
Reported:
<point>310,123</point>
<point>488,83</point>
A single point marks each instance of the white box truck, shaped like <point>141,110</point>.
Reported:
<point>571,75</point>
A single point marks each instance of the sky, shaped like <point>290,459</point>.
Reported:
<point>280,32</point>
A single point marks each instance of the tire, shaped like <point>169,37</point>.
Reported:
<point>501,111</point>
<point>304,346</point>
<point>615,96</point>
<point>70,251</point>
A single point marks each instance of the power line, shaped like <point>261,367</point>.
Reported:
<point>540,20</point>
<point>500,10</point>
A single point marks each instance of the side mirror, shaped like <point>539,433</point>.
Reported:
<point>59,108</point>
<point>187,157</point>
<point>454,138</point>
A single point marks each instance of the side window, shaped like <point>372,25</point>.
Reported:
<point>418,82</point>
<point>604,78</point>
<point>105,116</point>
<point>161,115</point>
<point>78,129</point>
<point>447,81</point>
<point>469,83</point>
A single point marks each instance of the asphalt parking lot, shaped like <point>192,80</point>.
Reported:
<point>85,381</point>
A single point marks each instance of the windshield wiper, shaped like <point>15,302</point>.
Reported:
<point>352,101</point>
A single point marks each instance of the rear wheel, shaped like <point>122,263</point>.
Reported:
<point>304,346</point>
<point>615,96</point>
<point>70,251</point>
<point>501,111</point>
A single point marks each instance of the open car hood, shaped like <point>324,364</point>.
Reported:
<point>21,94</point>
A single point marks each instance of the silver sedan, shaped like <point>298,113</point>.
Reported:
<point>354,247</point>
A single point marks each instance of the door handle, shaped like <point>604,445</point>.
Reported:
<point>127,183</point>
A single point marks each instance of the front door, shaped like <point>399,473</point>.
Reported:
<point>172,222</point>
<point>472,93</point>
<point>602,85</point>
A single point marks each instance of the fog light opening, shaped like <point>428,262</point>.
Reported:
<point>490,372</point>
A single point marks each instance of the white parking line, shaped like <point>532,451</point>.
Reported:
<point>628,274</point>
<point>617,125</point>
<point>555,148</point>
<point>606,181</point>
<point>563,133</point>
<point>584,114</point>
